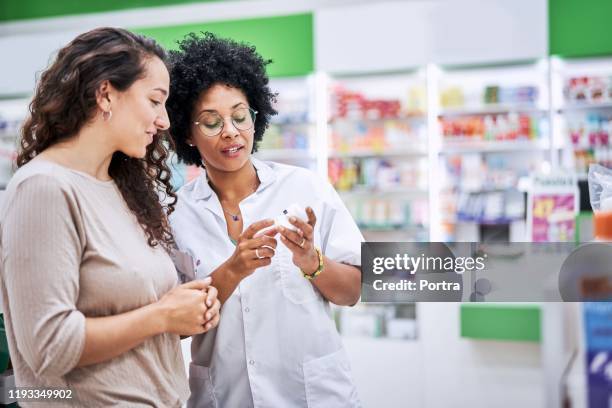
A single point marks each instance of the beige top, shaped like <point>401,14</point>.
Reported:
<point>70,249</point>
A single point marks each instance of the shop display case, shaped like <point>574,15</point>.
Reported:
<point>492,131</point>
<point>12,114</point>
<point>292,137</point>
<point>582,112</point>
<point>377,152</point>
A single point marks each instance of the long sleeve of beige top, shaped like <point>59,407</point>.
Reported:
<point>43,247</point>
<point>71,249</point>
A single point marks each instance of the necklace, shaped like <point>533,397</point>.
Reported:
<point>236,217</point>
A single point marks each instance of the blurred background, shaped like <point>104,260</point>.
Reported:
<point>435,120</point>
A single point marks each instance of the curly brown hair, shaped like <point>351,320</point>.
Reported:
<point>65,100</point>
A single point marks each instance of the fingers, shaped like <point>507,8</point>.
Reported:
<point>211,296</point>
<point>201,284</point>
<point>262,240</point>
<point>302,225</point>
<point>214,322</point>
<point>255,227</point>
<point>312,218</point>
<point>295,237</point>
<point>259,263</point>
<point>269,231</point>
<point>213,311</point>
<point>263,252</point>
<point>292,246</point>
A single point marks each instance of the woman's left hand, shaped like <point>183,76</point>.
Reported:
<point>301,242</point>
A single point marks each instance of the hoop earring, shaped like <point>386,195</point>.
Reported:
<point>107,115</point>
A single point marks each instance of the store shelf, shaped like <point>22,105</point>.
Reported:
<point>491,109</point>
<point>392,228</point>
<point>404,117</point>
<point>487,190</point>
<point>383,192</point>
<point>285,154</point>
<point>484,221</point>
<point>469,146</point>
<point>379,153</point>
<point>9,136</point>
<point>289,121</point>
<point>585,106</point>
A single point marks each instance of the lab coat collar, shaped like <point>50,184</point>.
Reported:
<point>266,174</point>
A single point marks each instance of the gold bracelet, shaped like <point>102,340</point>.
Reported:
<point>311,276</point>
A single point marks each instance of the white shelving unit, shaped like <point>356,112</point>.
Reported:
<point>12,114</point>
<point>582,112</point>
<point>292,136</point>
<point>306,129</point>
<point>469,146</point>
<point>377,151</point>
<point>491,129</point>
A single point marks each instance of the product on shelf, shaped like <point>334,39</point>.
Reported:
<point>292,127</point>
<point>456,97</point>
<point>482,189</point>
<point>387,213</point>
<point>590,137</point>
<point>452,97</point>
<point>9,128</point>
<point>364,182</point>
<point>553,200</point>
<point>375,137</point>
<point>9,133</point>
<point>501,127</point>
<point>491,207</point>
<point>600,192</point>
<point>396,321</point>
<point>495,94</point>
<point>285,137</point>
<point>347,103</point>
<point>588,89</point>
<point>376,174</point>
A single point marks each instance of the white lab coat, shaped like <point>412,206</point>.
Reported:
<point>276,344</point>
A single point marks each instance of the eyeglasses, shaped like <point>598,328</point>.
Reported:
<point>211,123</point>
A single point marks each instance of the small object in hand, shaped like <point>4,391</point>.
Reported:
<point>282,220</point>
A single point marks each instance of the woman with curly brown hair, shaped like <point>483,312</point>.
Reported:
<point>89,291</point>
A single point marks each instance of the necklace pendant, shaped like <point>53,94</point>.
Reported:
<point>235,218</point>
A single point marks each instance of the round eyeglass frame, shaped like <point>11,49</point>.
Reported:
<point>252,111</point>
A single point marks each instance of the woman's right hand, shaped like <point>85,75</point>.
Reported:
<point>252,251</point>
<point>184,308</point>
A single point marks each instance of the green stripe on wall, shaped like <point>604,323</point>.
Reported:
<point>286,40</point>
<point>30,9</point>
<point>497,322</point>
<point>579,28</point>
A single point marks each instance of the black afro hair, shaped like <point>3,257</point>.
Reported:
<point>206,60</point>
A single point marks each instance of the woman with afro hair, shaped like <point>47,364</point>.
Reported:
<point>276,344</point>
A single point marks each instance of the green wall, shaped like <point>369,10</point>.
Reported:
<point>29,9</point>
<point>580,28</point>
<point>500,322</point>
<point>286,40</point>
<point>577,28</point>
